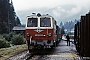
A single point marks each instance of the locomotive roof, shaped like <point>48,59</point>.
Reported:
<point>39,16</point>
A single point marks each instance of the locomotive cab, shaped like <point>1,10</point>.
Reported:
<point>40,31</point>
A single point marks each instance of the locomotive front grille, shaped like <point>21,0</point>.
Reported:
<point>42,42</point>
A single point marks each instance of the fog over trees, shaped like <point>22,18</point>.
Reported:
<point>68,25</point>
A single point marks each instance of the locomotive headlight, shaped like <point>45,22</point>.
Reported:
<point>49,34</point>
<point>44,35</point>
<point>28,34</point>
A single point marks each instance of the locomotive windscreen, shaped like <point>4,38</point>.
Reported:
<point>45,22</point>
<point>32,22</point>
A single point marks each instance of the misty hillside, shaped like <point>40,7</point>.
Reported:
<point>69,25</point>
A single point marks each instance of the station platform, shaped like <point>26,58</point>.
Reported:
<point>64,52</point>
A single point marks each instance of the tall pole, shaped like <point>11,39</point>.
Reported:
<point>8,23</point>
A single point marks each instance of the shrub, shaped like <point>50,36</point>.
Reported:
<point>7,44</point>
<point>17,40</point>
<point>1,37</point>
<point>8,36</point>
<point>11,34</point>
<point>4,43</point>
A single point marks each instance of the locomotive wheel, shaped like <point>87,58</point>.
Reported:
<point>54,44</point>
<point>30,51</point>
<point>52,47</point>
<point>30,48</point>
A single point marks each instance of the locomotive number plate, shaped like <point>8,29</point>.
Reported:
<point>39,35</point>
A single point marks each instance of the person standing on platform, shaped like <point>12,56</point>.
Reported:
<point>68,40</point>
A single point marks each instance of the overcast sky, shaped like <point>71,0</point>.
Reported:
<point>61,10</point>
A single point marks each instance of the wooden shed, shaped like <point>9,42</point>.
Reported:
<point>19,30</point>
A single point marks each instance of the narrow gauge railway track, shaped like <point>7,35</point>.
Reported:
<point>35,57</point>
<point>37,54</point>
<point>40,54</point>
<point>26,56</point>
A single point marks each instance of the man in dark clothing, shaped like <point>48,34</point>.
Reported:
<point>68,40</point>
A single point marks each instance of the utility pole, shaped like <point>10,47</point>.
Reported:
<point>8,23</point>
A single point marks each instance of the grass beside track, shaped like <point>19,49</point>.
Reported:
<point>11,51</point>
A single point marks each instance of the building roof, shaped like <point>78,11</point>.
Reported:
<point>18,28</point>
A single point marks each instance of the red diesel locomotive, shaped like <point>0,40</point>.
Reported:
<point>41,31</point>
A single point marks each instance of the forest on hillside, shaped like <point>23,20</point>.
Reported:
<point>8,17</point>
<point>68,25</point>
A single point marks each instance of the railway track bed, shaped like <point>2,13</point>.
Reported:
<point>61,52</point>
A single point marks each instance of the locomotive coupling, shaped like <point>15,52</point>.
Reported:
<point>30,39</point>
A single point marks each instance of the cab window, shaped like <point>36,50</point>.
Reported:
<point>32,22</point>
<point>45,22</point>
